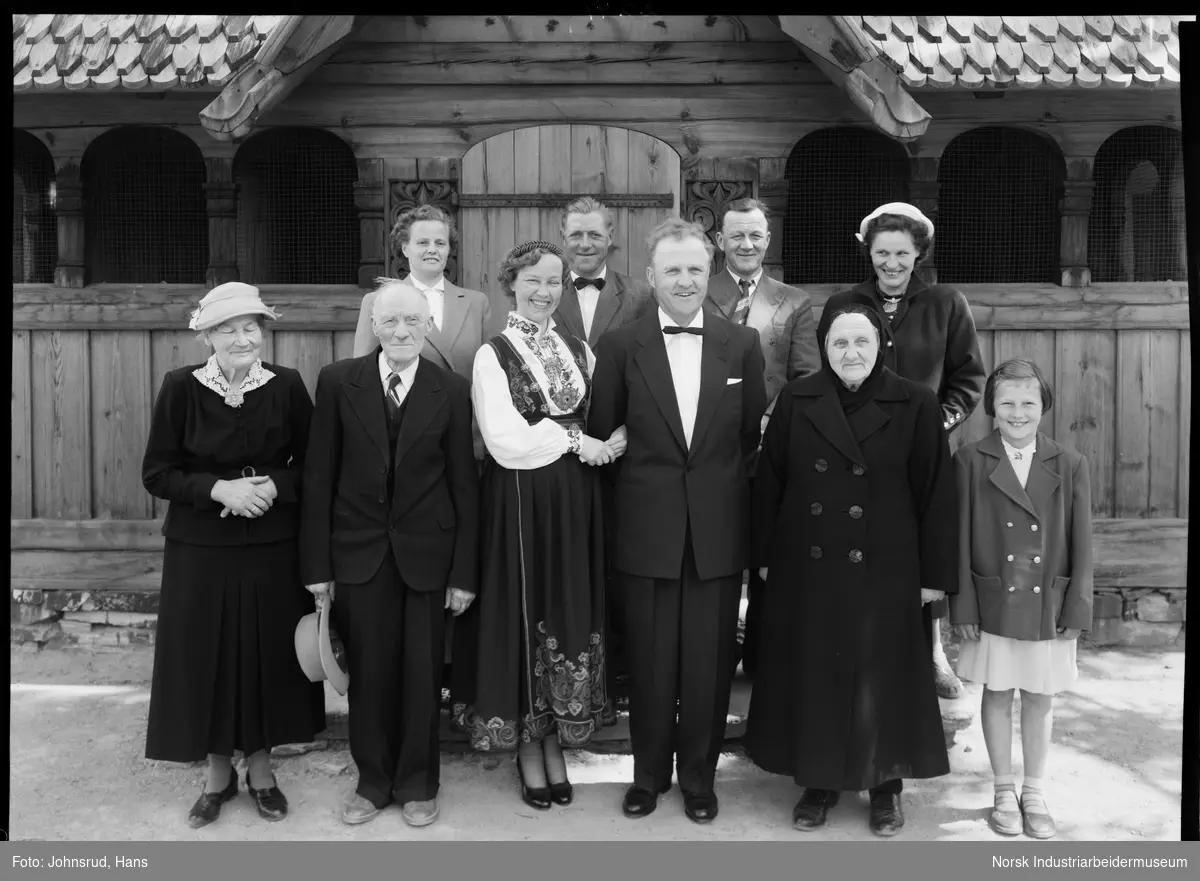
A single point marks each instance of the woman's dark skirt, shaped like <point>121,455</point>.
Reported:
<point>226,676</point>
<point>529,654</point>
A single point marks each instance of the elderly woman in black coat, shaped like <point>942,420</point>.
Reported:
<point>856,522</point>
<point>928,336</point>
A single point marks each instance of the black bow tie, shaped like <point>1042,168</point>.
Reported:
<point>696,330</point>
<point>581,283</point>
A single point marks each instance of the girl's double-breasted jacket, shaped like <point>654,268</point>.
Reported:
<point>1025,553</point>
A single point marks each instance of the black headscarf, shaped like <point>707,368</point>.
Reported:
<point>861,304</point>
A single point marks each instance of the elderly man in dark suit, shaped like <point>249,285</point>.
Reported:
<point>783,317</point>
<point>390,519</point>
<point>689,390</point>
<point>596,301</point>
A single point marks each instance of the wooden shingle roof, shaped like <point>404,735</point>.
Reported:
<point>1047,51</point>
<point>76,51</point>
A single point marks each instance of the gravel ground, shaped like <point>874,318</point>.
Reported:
<point>77,772</point>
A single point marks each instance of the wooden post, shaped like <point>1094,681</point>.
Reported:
<point>368,199</point>
<point>923,188</point>
<point>1074,208</point>
<point>69,271</point>
<point>220,193</point>
<point>773,192</point>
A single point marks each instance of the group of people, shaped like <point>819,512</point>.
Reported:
<point>586,492</point>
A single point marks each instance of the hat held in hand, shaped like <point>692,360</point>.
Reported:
<point>319,650</point>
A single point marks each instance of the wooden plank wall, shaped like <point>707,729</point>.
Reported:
<point>82,402</point>
<point>558,159</point>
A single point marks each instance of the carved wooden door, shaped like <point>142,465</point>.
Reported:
<point>514,185</point>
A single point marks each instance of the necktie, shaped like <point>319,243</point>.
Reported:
<point>581,283</point>
<point>393,395</point>
<point>696,330</point>
<point>740,315</point>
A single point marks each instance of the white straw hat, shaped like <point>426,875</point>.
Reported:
<point>901,208</point>
<point>226,301</point>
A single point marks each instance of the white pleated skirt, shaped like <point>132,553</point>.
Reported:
<point>1040,666</point>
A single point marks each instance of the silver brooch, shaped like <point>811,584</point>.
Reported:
<point>234,397</point>
<point>890,306</point>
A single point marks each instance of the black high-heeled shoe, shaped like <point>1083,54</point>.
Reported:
<point>208,806</point>
<point>271,803</point>
<point>562,793</point>
<point>538,798</point>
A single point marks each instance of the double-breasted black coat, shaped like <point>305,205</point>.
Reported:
<point>851,530</point>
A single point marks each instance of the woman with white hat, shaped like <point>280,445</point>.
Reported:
<point>929,337</point>
<point>226,449</point>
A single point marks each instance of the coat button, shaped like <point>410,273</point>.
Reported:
<point>1037,559</point>
<point>856,556</point>
<point>1036,589</point>
<point>889,344</point>
<point>855,512</point>
<point>1009,524</point>
<point>821,465</point>
<point>1010,558</point>
<point>1033,528</point>
<point>816,509</point>
<point>815,552</point>
<point>859,470</point>
<point>382,500</point>
<point>1011,588</point>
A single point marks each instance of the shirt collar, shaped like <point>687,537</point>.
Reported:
<point>439,285</point>
<point>664,320</point>
<point>406,375</point>
<point>1026,452</point>
<point>603,273</point>
<point>753,282</point>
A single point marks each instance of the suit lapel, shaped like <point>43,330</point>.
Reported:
<point>423,402</point>
<point>723,295</point>
<point>652,360</point>
<point>454,316</point>
<point>714,371</point>
<point>364,394</point>
<point>608,303</point>
<point>1003,477</point>
<point>568,314</point>
<point>773,291</point>
<point>830,422</point>
<point>1042,482</point>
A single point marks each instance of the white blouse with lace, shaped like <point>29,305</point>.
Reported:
<point>510,439</point>
<point>211,377</point>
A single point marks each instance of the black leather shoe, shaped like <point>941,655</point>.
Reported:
<point>700,808</point>
<point>562,793</point>
<point>208,806</point>
<point>536,798</point>
<point>272,804</point>
<point>640,802</point>
<point>886,816</point>
<point>812,810</point>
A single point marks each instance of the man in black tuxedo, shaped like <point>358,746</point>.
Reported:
<point>390,516</point>
<point>689,390</point>
<point>597,300</point>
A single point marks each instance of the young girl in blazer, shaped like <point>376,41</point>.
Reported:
<point>1025,582</point>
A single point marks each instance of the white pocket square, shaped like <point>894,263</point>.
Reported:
<point>733,381</point>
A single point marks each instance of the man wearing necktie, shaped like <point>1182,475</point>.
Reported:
<point>596,301</point>
<point>787,332</point>
<point>390,521</point>
<point>689,390</point>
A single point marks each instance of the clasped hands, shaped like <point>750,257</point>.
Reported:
<point>593,451</point>
<point>457,601</point>
<point>246,496</point>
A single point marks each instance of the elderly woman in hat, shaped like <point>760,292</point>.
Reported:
<point>928,336</point>
<point>226,449</point>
